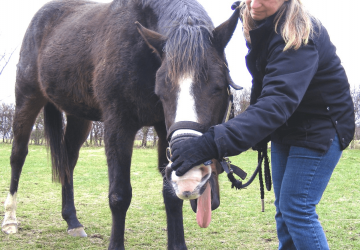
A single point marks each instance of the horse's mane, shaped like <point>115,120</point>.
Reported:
<point>188,28</point>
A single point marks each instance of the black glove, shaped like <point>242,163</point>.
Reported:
<point>193,151</point>
<point>235,5</point>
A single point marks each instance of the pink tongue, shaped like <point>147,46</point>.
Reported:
<point>203,213</point>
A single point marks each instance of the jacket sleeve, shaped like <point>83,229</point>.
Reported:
<point>287,77</point>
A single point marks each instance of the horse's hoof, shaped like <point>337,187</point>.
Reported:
<point>11,228</point>
<point>77,232</point>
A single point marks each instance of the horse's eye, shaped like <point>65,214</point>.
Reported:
<point>216,90</point>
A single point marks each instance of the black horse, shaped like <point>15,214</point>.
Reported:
<point>98,62</point>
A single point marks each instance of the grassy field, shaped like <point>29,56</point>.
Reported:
<point>237,224</point>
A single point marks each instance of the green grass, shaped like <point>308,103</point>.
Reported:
<point>237,224</point>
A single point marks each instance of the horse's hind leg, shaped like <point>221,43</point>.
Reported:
<point>173,205</point>
<point>77,130</point>
<point>26,111</point>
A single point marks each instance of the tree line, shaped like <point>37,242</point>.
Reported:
<point>146,136</point>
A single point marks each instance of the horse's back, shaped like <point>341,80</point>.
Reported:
<point>46,20</point>
<point>56,59</point>
<point>86,57</point>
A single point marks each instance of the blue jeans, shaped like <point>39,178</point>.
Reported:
<point>300,176</point>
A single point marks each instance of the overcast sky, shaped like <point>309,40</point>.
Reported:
<point>339,17</point>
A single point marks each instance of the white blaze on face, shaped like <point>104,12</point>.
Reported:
<point>187,186</point>
<point>10,225</point>
<point>190,185</point>
<point>185,108</point>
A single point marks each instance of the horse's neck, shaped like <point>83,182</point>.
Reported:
<point>172,13</point>
<point>121,2</point>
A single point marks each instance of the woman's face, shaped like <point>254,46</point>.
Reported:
<point>261,9</point>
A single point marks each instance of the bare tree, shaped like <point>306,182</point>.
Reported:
<point>241,100</point>
<point>97,133</point>
<point>355,94</point>
<point>4,60</point>
<point>145,132</point>
<point>6,119</point>
<point>155,137</point>
<point>144,135</point>
<point>37,134</point>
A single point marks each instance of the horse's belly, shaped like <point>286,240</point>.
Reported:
<point>68,83</point>
<point>83,110</point>
<point>73,101</point>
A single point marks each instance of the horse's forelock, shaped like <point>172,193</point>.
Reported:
<point>188,28</point>
<point>186,51</point>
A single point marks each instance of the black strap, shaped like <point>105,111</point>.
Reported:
<point>185,125</point>
<point>262,192</point>
<point>267,171</point>
<point>262,155</point>
<point>238,184</point>
<point>229,113</point>
<point>238,171</point>
<point>230,168</point>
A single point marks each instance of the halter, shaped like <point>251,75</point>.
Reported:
<point>229,168</point>
<point>229,113</point>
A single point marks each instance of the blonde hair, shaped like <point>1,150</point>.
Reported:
<point>296,29</point>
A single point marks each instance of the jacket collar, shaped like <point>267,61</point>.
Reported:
<point>262,31</point>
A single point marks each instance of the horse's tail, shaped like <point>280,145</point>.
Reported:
<point>54,134</point>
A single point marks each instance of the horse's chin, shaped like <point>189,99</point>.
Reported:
<point>199,185</point>
<point>192,184</point>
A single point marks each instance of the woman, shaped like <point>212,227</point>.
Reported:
<point>300,100</point>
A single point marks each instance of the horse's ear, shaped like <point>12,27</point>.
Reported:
<point>154,40</point>
<point>223,33</point>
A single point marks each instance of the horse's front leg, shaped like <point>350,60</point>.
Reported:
<point>173,204</point>
<point>175,227</point>
<point>118,147</point>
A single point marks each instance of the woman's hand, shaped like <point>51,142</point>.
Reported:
<point>192,152</point>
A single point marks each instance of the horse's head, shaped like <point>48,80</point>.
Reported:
<point>193,85</point>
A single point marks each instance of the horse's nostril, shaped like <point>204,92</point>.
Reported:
<point>187,194</point>
<point>205,170</point>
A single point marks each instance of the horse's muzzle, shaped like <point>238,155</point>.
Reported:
<point>200,186</point>
<point>192,184</point>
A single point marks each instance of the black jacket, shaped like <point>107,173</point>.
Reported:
<point>299,97</point>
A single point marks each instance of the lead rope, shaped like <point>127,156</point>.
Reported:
<point>263,156</point>
<point>267,171</point>
<point>262,193</point>
<point>231,169</point>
